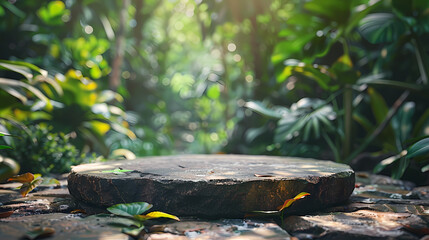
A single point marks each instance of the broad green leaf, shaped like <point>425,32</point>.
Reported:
<point>418,149</point>
<point>378,105</point>
<point>117,171</point>
<point>338,11</point>
<point>289,202</point>
<point>129,209</point>
<point>382,28</point>
<point>40,232</point>
<point>25,71</point>
<point>155,214</point>
<point>285,49</point>
<point>125,222</point>
<point>33,90</point>
<point>402,122</point>
<point>132,231</point>
<point>318,74</point>
<point>28,65</point>
<point>263,110</point>
<point>307,130</point>
<point>14,92</point>
<point>5,147</point>
<point>308,115</point>
<point>358,13</point>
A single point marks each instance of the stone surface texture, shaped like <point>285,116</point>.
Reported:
<point>379,208</point>
<point>214,185</point>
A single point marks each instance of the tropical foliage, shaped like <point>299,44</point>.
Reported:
<point>328,79</point>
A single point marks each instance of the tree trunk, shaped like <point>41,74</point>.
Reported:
<point>115,76</point>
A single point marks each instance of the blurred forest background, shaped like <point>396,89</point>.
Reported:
<point>327,79</point>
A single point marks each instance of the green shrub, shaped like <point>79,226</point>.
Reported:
<point>40,151</point>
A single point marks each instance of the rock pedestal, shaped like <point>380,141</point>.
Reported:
<point>214,185</point>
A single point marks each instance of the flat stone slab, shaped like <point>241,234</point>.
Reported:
<point>361,224</point>
<point>102,226</point>
<point>214,185</point>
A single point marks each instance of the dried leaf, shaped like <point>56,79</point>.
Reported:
<point>40,232</point>
<point>76,211</point>
<point>23,178</point>
<point>28,187</point>
<point>289,202</point>
<point>6,214</point>
<point>152,215</point>
<point>129,209</point>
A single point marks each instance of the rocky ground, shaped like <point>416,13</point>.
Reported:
<point>379,208</point>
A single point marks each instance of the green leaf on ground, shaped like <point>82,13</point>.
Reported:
<point>117,171</point>
<point>129,209</point>
<point>132,231</point>
<point>419,148</point>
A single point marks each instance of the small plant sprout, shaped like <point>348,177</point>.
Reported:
<point>280,209</point>
<point>289,202</point>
